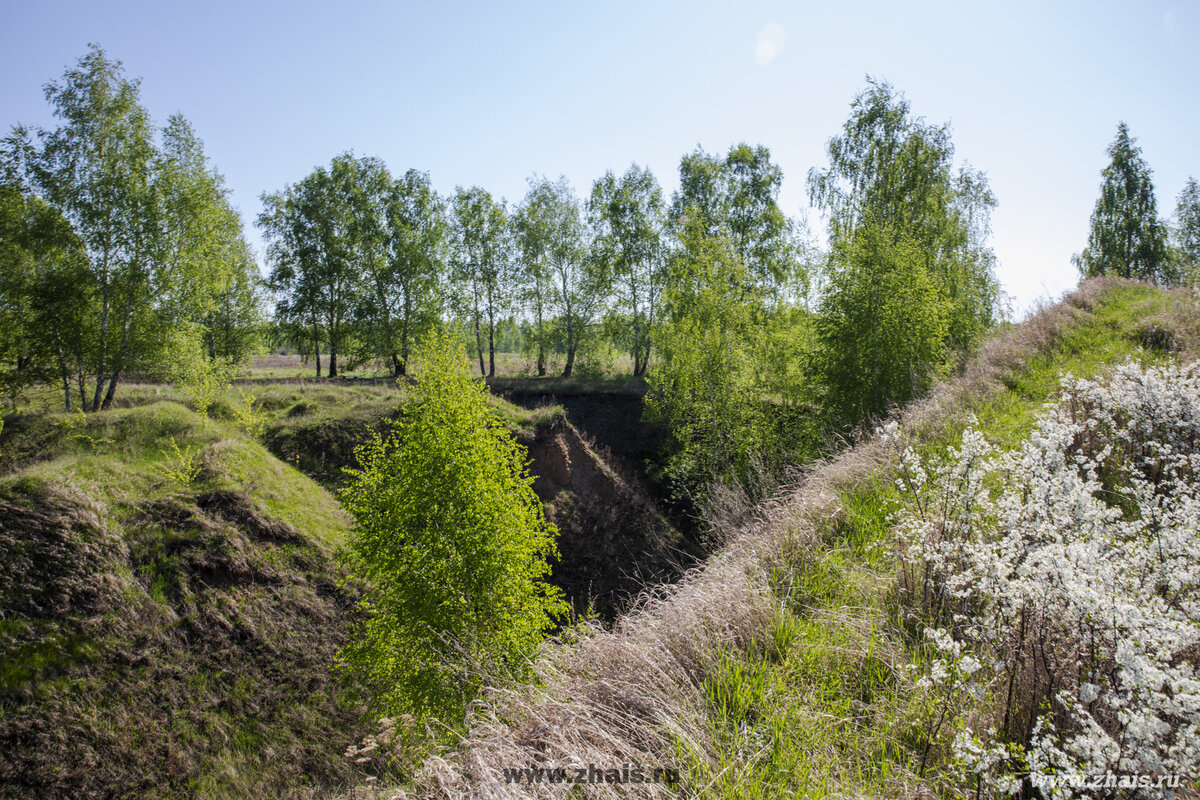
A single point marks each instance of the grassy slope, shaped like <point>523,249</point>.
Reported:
<point>835,707</point>
<point>784,667</point>
<point>317,427</point>
<point>165,633</point>
<point>170,603</point>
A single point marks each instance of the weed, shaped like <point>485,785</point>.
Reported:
<point>74,426</point>
<point>181,465</point>
<point>249,415</point>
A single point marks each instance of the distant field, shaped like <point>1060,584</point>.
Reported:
<point>280,366</point>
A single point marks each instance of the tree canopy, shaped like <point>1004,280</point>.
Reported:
<point>1127,238</point>
<point>158,242</point>
<point>628,217</point>
<point>901,217</point>
<point>1185,234</point>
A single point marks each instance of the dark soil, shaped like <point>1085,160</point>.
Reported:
<point>186,652</point>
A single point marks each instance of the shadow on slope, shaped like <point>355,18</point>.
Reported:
<point>167,629</point>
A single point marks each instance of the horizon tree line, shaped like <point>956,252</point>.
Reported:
<point>122,254</point>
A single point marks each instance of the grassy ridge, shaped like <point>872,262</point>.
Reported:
<point>831,707</point>
<point>171,603</point>
<point>171,610</point>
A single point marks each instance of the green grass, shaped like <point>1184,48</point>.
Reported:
<point>121,459</point>
<point>1101,339</point>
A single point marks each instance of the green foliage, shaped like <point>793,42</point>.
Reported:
<point>1185,234</point>
<point>453,543</point>
<point>562,282</point>
<point>480,266</point>
<point>44,295</point>
<point>123,238</point>
<point>826,701</point>
<point>910,279</point>
<point>215,283</point>
<point>320,232</point>
<point>702,387</point>
<point>404,283</point>
<point>882,326</point>
<point>628,218</point>
<point>74,426</point>
<point>180,465</point>
<point>738,198</point>
<point>726,383</point>
<point>1127,239</point>
<point>201,378</point>
<point>248,414</point>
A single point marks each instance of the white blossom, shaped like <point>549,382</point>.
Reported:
<point>1084,541</point>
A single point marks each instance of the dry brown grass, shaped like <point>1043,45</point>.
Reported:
<point>634,693</point>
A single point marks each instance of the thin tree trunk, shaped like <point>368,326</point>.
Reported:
<point>104,309</point>
<point>491,348</point>
<point>566,373</point>
<point>541,338</point>
<point>119,357</point>
<point>112,389</point>
<point>96,397</point>
<point>402,367</point>
<point>479,345</point>
<point>66,379</point>
<point>317,345</point>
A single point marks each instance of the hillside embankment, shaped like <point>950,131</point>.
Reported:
<point>171,601</point>
<point>170,610</point>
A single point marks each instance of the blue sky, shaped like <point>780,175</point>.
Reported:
<point>490,93</point>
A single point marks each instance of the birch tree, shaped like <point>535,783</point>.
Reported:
<point>480,266</point>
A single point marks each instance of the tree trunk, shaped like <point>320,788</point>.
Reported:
<point>332,358</point>
<point>104,310</point>
<point>98,394</point>
<point>491,349</point>
<point>541,338</point>
<point>118,357</point>
<point>479,345</point>
<point>397,366</point>
<point>566,373</point>
<point>403,366</point>
<point>317,346</point>
<point>66,384</point>
<point>112,389</point>
<point>62,370</point>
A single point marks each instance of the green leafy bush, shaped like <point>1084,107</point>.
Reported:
<point>453,543</point>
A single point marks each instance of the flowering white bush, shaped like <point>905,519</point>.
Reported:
<point>1070,569</point>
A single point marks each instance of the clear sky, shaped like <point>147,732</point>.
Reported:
<point>490,93</point>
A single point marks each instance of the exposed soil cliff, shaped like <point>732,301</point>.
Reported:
<point>612,540</point>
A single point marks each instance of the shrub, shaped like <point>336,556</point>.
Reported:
<point>1071,569</point>
<point>453,543</point>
